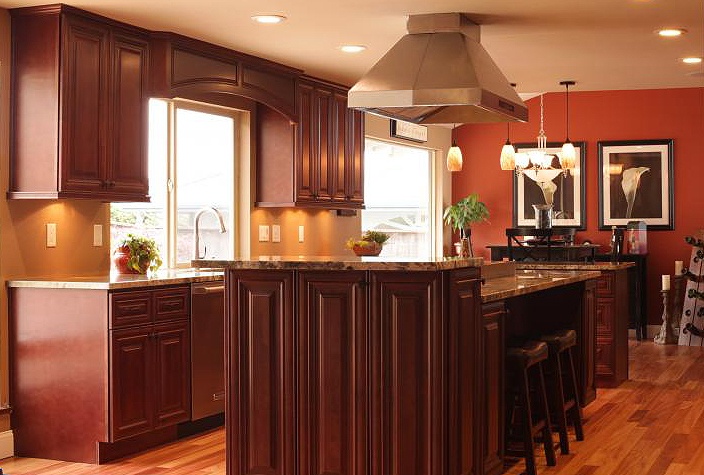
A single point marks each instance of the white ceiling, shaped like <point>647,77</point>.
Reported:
<point>601,44</point>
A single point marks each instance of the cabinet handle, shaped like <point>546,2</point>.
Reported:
<point>172,305</point>
<point>111,183</point>
<point>363,283</point>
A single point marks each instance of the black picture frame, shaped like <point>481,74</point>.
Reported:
<point>568,199</point>
<point>647,193</point>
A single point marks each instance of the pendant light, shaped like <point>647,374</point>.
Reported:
<point>454,156</point>
<point>568,157</point>
<point>508,153</point>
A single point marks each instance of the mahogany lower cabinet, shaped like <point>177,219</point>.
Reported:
<point>492,396</point>
<point>612,316</point>
<point>353,372</point>
<point>97,374</point>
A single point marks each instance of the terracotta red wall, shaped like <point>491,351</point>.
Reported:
<point>603,115</point>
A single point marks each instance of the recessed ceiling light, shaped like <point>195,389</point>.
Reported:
<point>692,60</point>
<point>269,19</point>
<point>672,32</point>
<point>352,48</point>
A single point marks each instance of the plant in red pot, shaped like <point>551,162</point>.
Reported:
<point>136,255</point>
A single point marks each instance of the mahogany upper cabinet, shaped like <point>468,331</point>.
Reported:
<point>319,162</point>
<point>79,85</point>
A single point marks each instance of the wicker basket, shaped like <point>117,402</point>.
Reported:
<point>371,250</point>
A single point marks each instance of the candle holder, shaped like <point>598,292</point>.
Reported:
<point>677,299</point>
<point>666,336</point>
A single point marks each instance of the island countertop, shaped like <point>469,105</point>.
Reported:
<point>527,281</point>
<point>348,262</point>
<point>113,281</point>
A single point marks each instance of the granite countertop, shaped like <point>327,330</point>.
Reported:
<point>528,281</point>
<point>347,262</point>
<point>575,265</point>
<point>114,281</point>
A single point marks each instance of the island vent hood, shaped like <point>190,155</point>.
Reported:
<point>438,74</point>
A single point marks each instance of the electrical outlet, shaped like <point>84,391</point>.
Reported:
<point>275,233</point>
<point>97,235</point>
<point>263,233</point>
<point>50,234</point>
<point>301,233</point>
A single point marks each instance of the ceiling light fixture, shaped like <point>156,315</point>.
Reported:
<point>568,157</point>
<point>352,48</point>
<point>269,19</point>
<point>692,60</point>
<point>508,152</point>
<point>454,155</point>
<point>537,164</point>
<point>671,32</point>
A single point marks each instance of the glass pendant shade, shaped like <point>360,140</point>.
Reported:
<point>454,159</point>
<point>568,156</point>
<point>508,157</point>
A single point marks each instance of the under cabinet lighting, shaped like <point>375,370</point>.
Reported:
<point>269,19</point>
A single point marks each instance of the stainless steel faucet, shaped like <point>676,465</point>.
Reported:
<point>196,230</point>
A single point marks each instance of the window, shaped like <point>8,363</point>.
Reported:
<point>191,169</point>
<point>398,192</point>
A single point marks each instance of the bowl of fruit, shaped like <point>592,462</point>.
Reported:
<point>370,244</point>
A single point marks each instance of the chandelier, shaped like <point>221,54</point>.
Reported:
<point>538,164</point>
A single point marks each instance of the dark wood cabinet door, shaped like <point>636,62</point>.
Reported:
<point>586,345</point>
<point>127,174</point>
<point>131,382</point>
<point>324,154</point>
<point>407,381</point>
<point>84,106</point>
<point>338,164</point>
<point>306,148</point>
<point>354,160</point>
<point>332,373</point>
<point>172,360</point>
<point>260,372</point>
<point>492,397</point>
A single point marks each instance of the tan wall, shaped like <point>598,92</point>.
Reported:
<point>325,232</point>
<point>23,252</point>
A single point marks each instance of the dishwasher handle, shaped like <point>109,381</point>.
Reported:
<point>208,289</point>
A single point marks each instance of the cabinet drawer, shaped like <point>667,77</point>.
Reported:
<point>130,308</point>
<point>172,303</point>
<point>605,284</point>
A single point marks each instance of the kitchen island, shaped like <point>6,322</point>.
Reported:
<point>367,366</point>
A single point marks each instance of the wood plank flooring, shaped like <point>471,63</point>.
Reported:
<point>651,425</point>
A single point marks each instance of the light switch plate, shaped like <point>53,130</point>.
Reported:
<point>97,235</point>
<point>263,233</point>
<point>301,233</point>
<point>275,233</point>
<point>50,234</point>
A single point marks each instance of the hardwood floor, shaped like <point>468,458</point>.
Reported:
<point>652,424</point>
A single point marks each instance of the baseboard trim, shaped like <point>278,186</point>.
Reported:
<point>650,332</point>
<point>7,444</point>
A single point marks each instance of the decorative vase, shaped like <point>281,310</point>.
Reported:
<point>120,258</point>
<point>543,216</point>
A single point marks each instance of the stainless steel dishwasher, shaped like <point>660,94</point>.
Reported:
<point>207,349</point>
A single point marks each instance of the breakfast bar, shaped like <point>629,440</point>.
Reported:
<point>348,363</point>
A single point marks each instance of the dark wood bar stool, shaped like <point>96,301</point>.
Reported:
<point>527,400</point>
<point>561,380</point>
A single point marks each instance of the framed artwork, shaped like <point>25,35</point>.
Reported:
<point>636,183</point>
<point>564,190</point>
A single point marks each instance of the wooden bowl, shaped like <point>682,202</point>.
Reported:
<point>371,250</point>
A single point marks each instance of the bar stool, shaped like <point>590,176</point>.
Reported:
<point>526,387</point>
<point>561,379</point>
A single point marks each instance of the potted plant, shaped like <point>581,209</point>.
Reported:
<point>370,244</point>
<point>461,216</point>
<point>136,255</point>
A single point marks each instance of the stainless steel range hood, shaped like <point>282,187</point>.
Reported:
<point>438,74</point>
